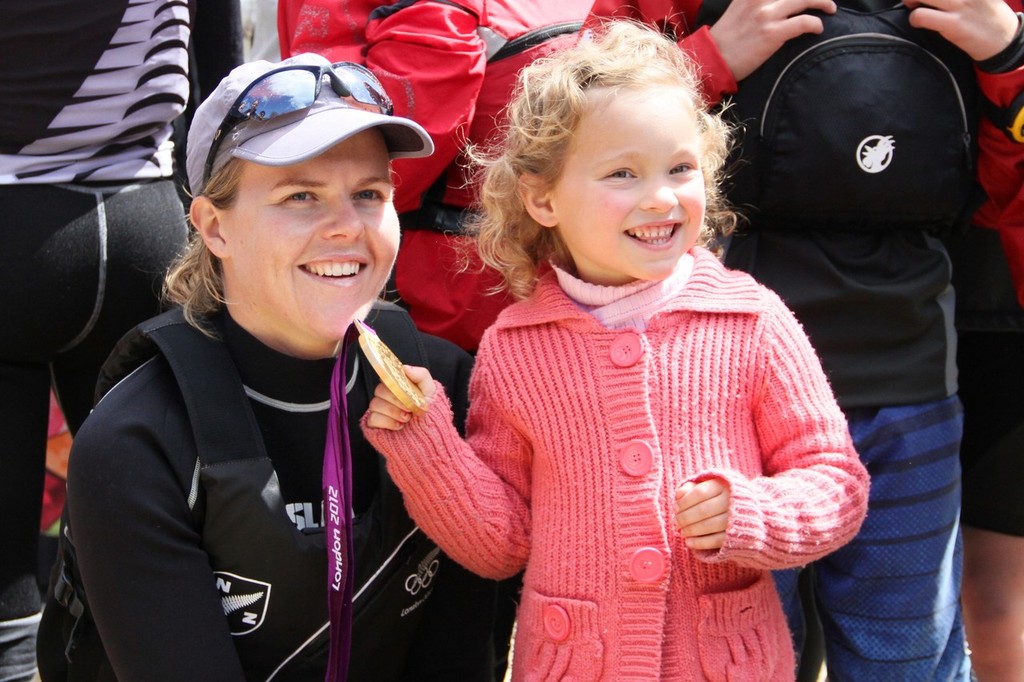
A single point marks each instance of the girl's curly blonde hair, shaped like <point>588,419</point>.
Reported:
<point>547,104</point>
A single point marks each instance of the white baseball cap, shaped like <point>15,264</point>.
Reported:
<point>306,127</point>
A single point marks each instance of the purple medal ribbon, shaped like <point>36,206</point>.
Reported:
<point>337,489</point>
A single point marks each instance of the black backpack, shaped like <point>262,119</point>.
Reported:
<point>870,125</point>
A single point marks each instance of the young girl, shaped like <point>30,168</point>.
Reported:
<point>649,434</point>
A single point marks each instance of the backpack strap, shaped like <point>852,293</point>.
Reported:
<point>712,10</point>
<point>433,214</point>
<point>533,38</point>
<point>1008,119</point>
<point>222,420</point>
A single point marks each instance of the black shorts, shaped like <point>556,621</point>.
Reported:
<point>992,454</point>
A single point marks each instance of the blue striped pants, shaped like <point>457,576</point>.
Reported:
<point>889,600</point>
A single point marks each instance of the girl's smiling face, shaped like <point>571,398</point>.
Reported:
<point>630,199</point>
<point>306,248</point>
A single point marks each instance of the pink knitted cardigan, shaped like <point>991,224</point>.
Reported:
<point>578,437</point>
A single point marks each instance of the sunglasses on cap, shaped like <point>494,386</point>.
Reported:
<point>294,88</point>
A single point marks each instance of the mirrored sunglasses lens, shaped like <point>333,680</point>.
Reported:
<point>363,86</point>
<point>279,93</point>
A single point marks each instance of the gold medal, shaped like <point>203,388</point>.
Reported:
<point>389,368</point>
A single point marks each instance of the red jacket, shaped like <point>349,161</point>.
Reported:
<point>431,57</point>
<point>1000,162</point>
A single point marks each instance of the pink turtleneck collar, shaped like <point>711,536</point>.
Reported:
<point>628,305</point>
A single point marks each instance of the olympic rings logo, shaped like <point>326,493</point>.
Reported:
<point>421,580</point>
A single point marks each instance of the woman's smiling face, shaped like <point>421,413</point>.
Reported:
<point>307,248</point>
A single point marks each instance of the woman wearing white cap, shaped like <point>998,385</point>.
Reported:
<point>220,525</point>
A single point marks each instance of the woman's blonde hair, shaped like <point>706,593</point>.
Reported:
<point>195,280</point>
<point>549,100</point>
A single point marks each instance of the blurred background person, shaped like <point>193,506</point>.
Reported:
<point>92,219</point>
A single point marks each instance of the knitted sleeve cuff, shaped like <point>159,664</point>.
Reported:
<point>747,533</point>
<point>424,438</point>
<point>791,519</point>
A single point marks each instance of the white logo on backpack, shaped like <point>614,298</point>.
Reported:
<point>874,153</point>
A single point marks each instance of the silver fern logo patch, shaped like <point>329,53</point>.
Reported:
<point>244,601</point>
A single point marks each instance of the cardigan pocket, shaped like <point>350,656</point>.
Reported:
<point>736,634</point>
<point>557,639</point>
